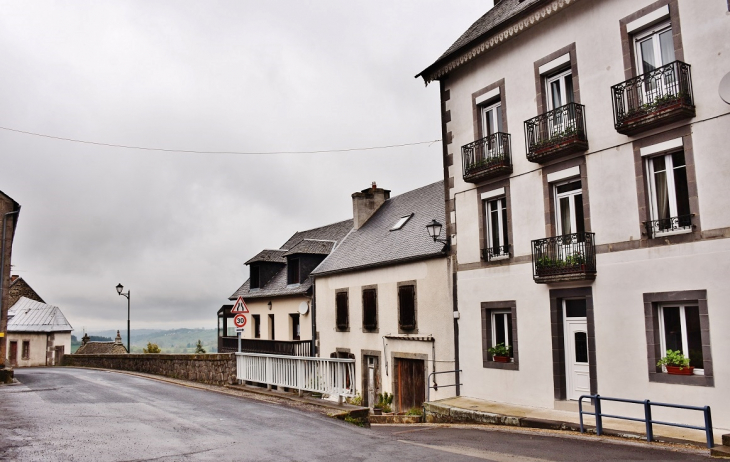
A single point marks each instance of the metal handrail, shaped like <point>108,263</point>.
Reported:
<point>564,255</point>
<point>562,124</point>
<point>669,225</point>
<point>485,154</point>
<point>647,416</point>
<point>435,387</point>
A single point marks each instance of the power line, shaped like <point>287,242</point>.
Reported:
<point>189,151</point>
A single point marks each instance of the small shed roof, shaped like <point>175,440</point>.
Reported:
<point>31,316</point>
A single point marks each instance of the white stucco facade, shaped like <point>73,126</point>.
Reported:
<point>432,341</point>
<point>630,266</point>
<point>39,344</point>
<point>283,310</point>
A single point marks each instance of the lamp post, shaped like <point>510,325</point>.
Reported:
<point>434,230</point>
<point>120,287</point>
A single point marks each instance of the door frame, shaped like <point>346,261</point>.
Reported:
<point>569,372</point>
<point>394,380</point>
<point>558,338</point>
<point>364,354</point>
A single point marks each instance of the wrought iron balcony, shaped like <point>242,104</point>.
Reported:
<point>496,253</point>
<point>657,228</point>
<point>273,347</point>
<point>488,157</point>
<point>653,99</point>
<point>569,257</point>
<point>556,133</point>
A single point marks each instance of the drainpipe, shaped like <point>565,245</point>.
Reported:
<point>2,270</point>
<point>456,336</point>
<point>314,318</point>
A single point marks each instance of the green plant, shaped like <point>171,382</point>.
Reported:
<point>500,350</point>
<point>355,421</point>
<point>199,348</point>
<point>674,358</point>
<point>415,411</point>
<point>151,348</point>
<point>576,259</point>
<point>355,400</point>
<point>384,401</point>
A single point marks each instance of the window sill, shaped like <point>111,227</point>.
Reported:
<point>658,235</point>
<point>510,366</point>
<point>692,380</point>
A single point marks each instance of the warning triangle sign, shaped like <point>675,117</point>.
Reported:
<point>239,306</point>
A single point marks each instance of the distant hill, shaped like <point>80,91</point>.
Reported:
<point>170,341</point>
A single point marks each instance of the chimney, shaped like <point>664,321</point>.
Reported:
<point>118,339</point>
<point>366,202</point>
<point>85,339</point>
<point>14,277</point>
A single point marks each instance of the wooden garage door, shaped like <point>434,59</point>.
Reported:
<point>410,383</point>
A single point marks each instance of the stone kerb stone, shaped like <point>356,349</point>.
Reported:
<point>216,369</point>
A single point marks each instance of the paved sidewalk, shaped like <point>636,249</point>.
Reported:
<point>463,409</point>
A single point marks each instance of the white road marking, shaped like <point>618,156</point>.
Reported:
<point>477,453</point>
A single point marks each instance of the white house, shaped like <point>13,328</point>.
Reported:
<point>38,334</point>
<point>384,298</point>
<point>585,154</point>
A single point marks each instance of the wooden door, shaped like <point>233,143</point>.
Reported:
<point>13,358</point>
<point>410,389</point>
<point>59,355</point>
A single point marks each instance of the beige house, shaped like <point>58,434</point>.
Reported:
<point>278,294</point>
<point>38,334</point>
<point>585,153</point>
<point>384,298</point>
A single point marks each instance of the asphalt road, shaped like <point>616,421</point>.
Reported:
<point>76,414</point>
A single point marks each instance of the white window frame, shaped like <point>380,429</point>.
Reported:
<point>671,190</point>
<point>560,77</point>
<point>486,109</point>
<point>651,33</point>
<point>501,208</point>
<point>683,323</point>
<point>571,202</point>
<point>507,334</point>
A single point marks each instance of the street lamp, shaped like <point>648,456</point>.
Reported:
<point>434,230</point>
<point>120,288</point>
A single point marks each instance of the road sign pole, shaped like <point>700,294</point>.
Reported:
<point>238,334</point>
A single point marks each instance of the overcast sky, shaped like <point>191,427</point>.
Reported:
<point>176,228</point>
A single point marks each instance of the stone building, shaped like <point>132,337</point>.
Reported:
<point>585,159</point>
<point>20,288</point>
<point>9,212</point>
<point>101,348</point>
<point>38,334</point>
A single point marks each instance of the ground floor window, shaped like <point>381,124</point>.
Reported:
<point>499,328</point>
<point>679,327</point>
<point>26,349</point>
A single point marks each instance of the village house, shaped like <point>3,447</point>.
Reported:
<point>9,211</point>
<point>278,294</point>
<point>38,334</point>
<point>585,157</point>
<point>89,347</point>
<point>383,297</point>
<point>20,288</point>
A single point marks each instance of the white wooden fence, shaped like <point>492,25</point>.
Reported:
<point>330,376</point>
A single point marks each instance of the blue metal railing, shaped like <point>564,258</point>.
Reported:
<point>435,387</point>
<point>647,416</point>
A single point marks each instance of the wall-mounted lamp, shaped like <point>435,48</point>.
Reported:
<point>434,230</point>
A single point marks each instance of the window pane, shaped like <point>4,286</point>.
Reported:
<point>581,347</point>
<point>555,93</point>
<point>230,328</point>
<point>490,122</point>
<point>575,308</point>
<point>494,225</point>
<point>579,222</point>
<point>509,334</point>
<point>505,235</point>
<point>565,216</point>
<point>662,195</point>
<point>672,329</point>
<point>647,55</point>
<point>694,336</point>
<point>407,307</point>
<point>499,336</point>
<point>667,46</point>
<point>499,118</point>
<point>568,89</point>
<point>572,186</point>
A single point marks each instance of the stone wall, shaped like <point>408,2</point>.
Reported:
<point>216,369</point>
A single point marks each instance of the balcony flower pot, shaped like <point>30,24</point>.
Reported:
<point>377,411</point>
<point>676,370</point>
<point>500,353</point>
<point>501,359</point>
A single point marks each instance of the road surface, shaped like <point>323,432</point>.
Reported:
<point>65,414</point>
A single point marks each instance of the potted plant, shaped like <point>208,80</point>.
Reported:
<point>676,363</point>
<point>500,353</point>
<point>384,404</point>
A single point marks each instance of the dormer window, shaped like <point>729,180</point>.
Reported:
<point>400,223</point>
<point>293,271</point>
<point>255,279</point>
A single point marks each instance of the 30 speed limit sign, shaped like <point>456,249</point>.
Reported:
<point>239,320</point>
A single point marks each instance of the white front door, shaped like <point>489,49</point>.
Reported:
<point>577,372</point>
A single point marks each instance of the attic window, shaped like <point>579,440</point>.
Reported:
<point>400,223</point>
<point>255,280</point>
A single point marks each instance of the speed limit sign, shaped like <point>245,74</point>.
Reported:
<point>239,320</point>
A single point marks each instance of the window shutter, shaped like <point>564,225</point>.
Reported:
<point>342,311</point>
<point>369,317</point>
<point>407,307</point>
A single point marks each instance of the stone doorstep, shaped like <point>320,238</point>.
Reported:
<point>720,452</point>
<point>440,413</point>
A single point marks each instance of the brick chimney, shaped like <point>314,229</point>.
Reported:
<point>366,202</point>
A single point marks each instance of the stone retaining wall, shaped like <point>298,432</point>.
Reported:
<point>216,369</point>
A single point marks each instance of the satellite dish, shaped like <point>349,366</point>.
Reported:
<point>303,308</point>
<point>724,89</point>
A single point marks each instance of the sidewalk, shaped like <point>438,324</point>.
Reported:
<point>463,409</point>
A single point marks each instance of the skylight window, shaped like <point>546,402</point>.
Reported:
<point>399,224</point>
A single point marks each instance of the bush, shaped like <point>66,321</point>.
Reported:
<point>355,400</point>
<point>674,358</point>
<point>199,348</point>
<point>414,411</point>
<point>152,348</point>
<point>500,350</point>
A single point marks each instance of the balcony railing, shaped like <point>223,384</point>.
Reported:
<point>488,157</point>
<point>657,228</point>
<point>273,347</point>
<point>495,253</point>
<point>556,133</point>
<point>653,99</point>
<point>568,257</point>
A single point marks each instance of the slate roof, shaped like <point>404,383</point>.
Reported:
<point>101,348</point>
<point>498,16</point>
<point>312,246</point>
<point>374,244</point>
<point>269,255</point>
<point>277,286</point>
<point>28,315</point>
